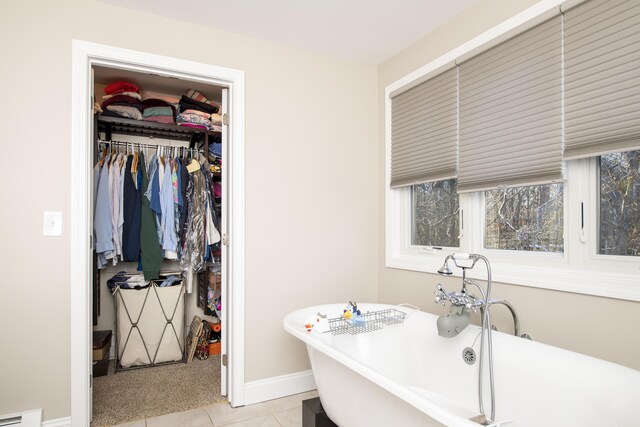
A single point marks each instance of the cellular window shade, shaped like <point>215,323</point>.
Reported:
<point>602,78</point>
<point>511,112</point>
<point>424,131</point>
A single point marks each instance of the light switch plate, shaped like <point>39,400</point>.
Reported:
<point>52,224</point>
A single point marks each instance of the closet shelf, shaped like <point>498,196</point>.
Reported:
<point>162,130</point>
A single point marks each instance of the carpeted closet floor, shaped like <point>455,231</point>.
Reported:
<point>143,393</point>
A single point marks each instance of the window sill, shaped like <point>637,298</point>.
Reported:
<point>625,286</point>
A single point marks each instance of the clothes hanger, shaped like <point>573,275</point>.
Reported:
<point>104,154</point>
<point>134,164</point>
<point>113,153</point>
<point>194,165</point>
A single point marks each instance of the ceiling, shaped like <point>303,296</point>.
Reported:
<point>368,31</point>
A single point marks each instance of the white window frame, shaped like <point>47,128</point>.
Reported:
<point>591,255</point>
<point>579,269</point>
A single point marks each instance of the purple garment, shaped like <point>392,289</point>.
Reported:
<point>122,100</point>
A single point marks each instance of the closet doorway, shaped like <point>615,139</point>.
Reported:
<point>93,67</point>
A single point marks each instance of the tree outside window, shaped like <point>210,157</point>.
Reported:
<point>436,213</point>
<point>620,204</point>
<point>525,218</point>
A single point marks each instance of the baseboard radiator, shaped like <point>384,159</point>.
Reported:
<point>32,418</point>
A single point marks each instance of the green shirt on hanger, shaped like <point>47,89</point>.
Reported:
<point>151,254</point>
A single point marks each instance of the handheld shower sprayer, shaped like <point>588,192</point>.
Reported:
<point>459,315</point>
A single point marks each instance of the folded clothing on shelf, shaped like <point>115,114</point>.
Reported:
<point>135,95</point>
<point>193,119</point>
<point>122,100</point>
<point>187,103</point>
<point>197,113</point>
<point>198,96</point>
<point>156,102</point>
<point>126,111</point>
<point>119,87</point>
<point>157,111</point>
<point>193,125</point>
<point>160,119</point>
<point>149,95</point>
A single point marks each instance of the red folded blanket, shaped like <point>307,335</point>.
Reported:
<point>119,87</point>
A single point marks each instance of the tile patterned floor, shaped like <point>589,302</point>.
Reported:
<point>285,412</point>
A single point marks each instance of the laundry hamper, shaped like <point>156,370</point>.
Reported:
<point>150,326</point>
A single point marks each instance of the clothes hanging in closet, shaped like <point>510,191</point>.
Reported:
<point>147,211</point>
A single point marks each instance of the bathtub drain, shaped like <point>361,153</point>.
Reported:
<point>469,356</point>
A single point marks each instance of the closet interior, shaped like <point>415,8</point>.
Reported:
<point>158,212</point>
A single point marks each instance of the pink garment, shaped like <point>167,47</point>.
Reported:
<point>160,119</point>
<point>193,118</point>
<point>217,189</point>
<point>192,125</point>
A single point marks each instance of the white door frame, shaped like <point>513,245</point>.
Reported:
<point>84,56</point>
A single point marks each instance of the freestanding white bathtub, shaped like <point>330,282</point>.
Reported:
<point>407,375</point>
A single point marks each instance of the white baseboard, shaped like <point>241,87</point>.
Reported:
<point>29,418</point>
<point>60,422</point>
<point>276,387</point>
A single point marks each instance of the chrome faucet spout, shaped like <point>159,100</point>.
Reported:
<point>516,323</point>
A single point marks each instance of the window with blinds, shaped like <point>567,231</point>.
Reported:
<point>545,148</point>
<point>511,112</point>
<point>602,78</point>
<point>424,127</point>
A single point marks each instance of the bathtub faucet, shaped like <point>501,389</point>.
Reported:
<point>462,302</point>
<point>458,299</point>
<point>459,315</point>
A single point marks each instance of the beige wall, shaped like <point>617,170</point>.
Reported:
<point>601,327</point>
<point>314,186</point>
<point>311,221</point>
